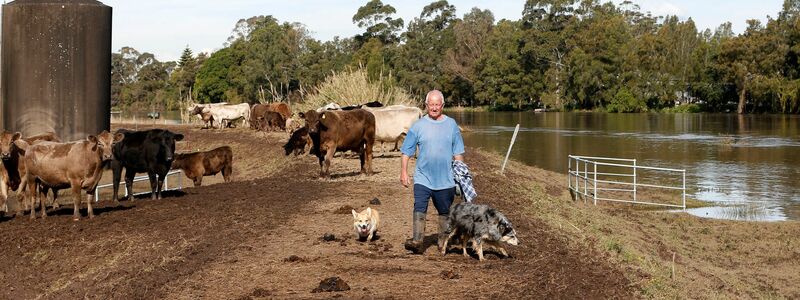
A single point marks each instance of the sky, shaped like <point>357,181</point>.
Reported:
<point>166,27</point>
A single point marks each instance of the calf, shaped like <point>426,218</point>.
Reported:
<point>149,151</point>
<point>259,110</point>
<point>12,169</point>
<point>333,131</point>
<point>299,142</point>
<point>271,121</point>
<point>198,164</point>
<point>76,165</point>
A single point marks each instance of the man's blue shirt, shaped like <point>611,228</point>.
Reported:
<point>438,142</point>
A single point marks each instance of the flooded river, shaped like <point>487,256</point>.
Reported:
<point>747,166</point>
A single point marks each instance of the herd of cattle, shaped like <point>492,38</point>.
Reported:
<point>328,129</point>
<point>39,165</point>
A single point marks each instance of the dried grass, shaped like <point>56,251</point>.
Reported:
<point>352,87</point>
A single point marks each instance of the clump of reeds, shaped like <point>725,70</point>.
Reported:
<point>353,87</point>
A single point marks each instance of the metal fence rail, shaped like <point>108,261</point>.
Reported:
<point>589,177</point>
<point>142,178</point>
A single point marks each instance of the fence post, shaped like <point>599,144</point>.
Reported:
<point>595,182</point>
<point>569,172</point>
<point>634,179</point>
<point>513,138</point>
<point>683,196</point>
<point>586,178</point>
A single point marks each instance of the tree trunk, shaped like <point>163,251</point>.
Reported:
<point>740,108</point>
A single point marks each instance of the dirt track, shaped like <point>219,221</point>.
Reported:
<point>235,240</point>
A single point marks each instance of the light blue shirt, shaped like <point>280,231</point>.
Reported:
<point>438,142</point>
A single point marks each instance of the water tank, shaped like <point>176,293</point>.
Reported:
<point>56,67</point>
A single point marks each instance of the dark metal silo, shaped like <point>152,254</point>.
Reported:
<point>56,67</point>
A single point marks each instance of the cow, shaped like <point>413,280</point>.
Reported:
<point>372,104</point>
<point>148,151</point>
<point>333,131</point>
<point>75,165</point>
<point>393,122</point>
<point>329,106</point>
<point>208,121</point>
<point>198,164</point>
<point>259,110</point>
<point>13,169</point>
<point>299,142</point>
<point>225,113</point>
<point>271,121</point>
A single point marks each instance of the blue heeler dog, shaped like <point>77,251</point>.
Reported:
<point>479,224</point>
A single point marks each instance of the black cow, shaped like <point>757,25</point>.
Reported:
<point>149,151</point>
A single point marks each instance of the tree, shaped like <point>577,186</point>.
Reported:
<point>420,62</point>
<point>548,25</point>
<point>376,18</point>
<point>460,61</point>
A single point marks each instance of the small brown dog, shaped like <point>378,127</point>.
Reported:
<point>365,223</point>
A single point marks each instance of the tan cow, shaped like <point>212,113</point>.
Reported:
<point>12,169</point>
<point>198,164</point>
<point>393,122</point>
<point>76,165</point>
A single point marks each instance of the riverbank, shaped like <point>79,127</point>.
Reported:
<point>261,236</point>
<point>666,254</point>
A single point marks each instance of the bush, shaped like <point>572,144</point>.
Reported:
<point>625,102</point>
<point>353,87</point>
<point>684,108</point>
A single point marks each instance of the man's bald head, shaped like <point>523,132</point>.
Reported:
<point>434,95</point>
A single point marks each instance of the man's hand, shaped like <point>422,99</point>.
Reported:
<point>404,178</point>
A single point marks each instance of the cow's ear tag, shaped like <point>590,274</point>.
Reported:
<point>323,116</point>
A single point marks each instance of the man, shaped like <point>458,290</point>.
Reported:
<point>439,141</point>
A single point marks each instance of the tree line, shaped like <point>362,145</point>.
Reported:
<point>560,55</point>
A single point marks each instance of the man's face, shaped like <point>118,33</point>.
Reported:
<point>434,105</point>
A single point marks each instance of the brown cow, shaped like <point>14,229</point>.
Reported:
<point>198,164</point>
<point>77,165</point>
<point>333,131</point>
<point>259,110</point>
<point>12,169</point>
<point>271,121</point>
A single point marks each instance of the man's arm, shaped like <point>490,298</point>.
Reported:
<point>458,157</point>
<point>404,171</point>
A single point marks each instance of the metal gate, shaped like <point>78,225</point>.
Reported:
<point>142,178</point>
<point>621,180</point>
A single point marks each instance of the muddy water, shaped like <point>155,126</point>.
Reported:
<point>747,166</point>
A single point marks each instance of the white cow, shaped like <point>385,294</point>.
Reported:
<point>393,122</point>
<point>329,106</point>
<point>207,118</point>
<point>226,113</point>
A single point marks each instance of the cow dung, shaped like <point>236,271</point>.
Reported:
<point>375,201</point>
<point>450,275</point>
<point>331,284</point>
<point>293,258</point>
<point>344,210</point>
<point>328,237</point>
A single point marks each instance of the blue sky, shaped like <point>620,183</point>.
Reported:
<point>165,27</point>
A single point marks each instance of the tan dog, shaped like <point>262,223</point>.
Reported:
<point>365,223</point>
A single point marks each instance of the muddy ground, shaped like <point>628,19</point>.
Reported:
<point>261,237</point>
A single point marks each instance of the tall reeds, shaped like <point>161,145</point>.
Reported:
<point>353,87</point>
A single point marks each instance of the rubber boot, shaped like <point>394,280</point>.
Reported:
<point>444,224</point>
<point>414,244</point>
